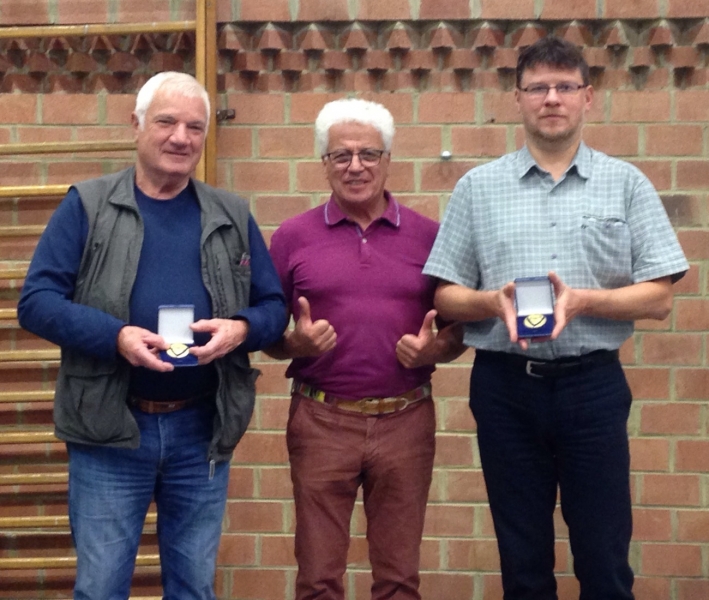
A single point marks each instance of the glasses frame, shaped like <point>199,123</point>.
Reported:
<point>537,94</point>
<point>343,166</point>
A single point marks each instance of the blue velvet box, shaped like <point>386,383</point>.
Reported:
<point>534,300</point>
<point>174,322</point>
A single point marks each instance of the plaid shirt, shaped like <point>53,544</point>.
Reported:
<point>601,225</point>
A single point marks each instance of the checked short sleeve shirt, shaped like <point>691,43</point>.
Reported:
<point>600,226</point>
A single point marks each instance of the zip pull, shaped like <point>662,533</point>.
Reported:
<point>211,469</point>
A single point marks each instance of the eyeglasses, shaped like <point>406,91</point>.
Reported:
<point>368,157</point>
<point>540,90</point>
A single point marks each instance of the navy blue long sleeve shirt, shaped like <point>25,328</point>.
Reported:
<point>170,274</point>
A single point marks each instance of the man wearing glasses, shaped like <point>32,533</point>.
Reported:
<point>553,414</point>
<point>363,350</point>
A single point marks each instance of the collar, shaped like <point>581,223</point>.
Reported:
<point>334,215</point>
<point>581,162</point>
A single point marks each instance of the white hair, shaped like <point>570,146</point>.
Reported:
<point>352,110</point>
<point>182,84</point>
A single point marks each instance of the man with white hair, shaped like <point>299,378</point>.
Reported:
<point>139,425</point>
<point>363,351</point>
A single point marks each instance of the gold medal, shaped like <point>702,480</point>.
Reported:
<point>178,350</point>
<point>535,321</point>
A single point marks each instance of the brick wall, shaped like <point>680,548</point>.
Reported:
<point>445,70</point>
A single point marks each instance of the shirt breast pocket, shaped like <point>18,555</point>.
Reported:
<point>605,243</point>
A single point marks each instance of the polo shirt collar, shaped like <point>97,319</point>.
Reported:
<point>392,214</point>
<point>581,162</point>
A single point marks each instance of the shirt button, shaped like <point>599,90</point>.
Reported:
<point>553,223</point>
<point>553,255</point>
<point>364,240</point>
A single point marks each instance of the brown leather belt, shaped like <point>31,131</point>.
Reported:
<point>365,406</point>
<point>154,407</point>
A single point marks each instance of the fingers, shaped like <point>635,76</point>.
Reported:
<point>427,327</point>
<point>304,310</point>
<point>138,346</point>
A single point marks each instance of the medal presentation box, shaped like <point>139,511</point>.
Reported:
<point>534,300</point>
<point>174,326</point>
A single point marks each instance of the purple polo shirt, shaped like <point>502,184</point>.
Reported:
<point>368,284</point>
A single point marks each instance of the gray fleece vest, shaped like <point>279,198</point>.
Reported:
<point>90,403</point>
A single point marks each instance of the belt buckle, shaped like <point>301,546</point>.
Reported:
<point>528,368</point>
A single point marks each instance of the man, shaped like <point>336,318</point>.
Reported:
<point>137,427</point>
<point>554,413</point>
<point>363,351</point>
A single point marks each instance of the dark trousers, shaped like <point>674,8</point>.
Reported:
<point>537,434</point>
<point>333,453</point>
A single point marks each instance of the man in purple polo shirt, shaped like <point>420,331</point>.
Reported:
<point>363,351</point>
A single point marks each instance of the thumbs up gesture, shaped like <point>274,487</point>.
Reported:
<point>418,350</point>
<point>310,338</point>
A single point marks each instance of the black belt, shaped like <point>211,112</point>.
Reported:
<point>560,367</point>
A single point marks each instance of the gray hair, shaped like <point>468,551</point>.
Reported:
<point>352,110</point>
<point>169,81</point>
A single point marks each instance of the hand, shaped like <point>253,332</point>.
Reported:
<point>227,334</point>
<point>567,306</point>
<point>308,338</point>
<point>418,350</point>
<point>505,308</point>
<point>140,348</point>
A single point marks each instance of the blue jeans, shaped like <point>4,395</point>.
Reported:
<point>535,434</point>
<point>110,490</point>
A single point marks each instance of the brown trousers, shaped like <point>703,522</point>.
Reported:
<point>333,452</point>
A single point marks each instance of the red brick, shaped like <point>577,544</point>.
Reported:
<point>692,384</point>
<point>258,584</point>
<point>451,380</point>
<point>652,525</point>
<point>616,140</point>
<point>443,175</point>
<point>304,108</point>
<point>69,109</point>
<point>671,349</point>
<point>412,141</point>
<point>692,455</point>
<point>692,589</point>
<point>671,560</point>
<point>648,384</point>
<point>631,9</point>
<point>258,108</point>
<point>21,12</point>
<point>278,551</point>
<point>264,10</point>
<point>687,9</point>
<point>445,520</point>
<point>259,447</point>
<point>426,205</point>
<point>391,10</point>
<point>473,555</point>
<point>237,550</point>
<point>689,284</point>
<point>263,176</point>
<point>569,9</point>
<point>254,516</point>
<point>673,140</point>
<point>478,141</point>
<point>275,482</point>
<point>272,412</point>
<point>322,10</point>
<point>692,174</point>
<point>507,9</point>
<point>286,142</point>
<point>273,210</point>
<point>465,486</point>
<point>234,142</point>
<point>454,450</point>
<point>638,106</point>
<point>444,9</point>
<point>446,107</point>
<point>671,418</point>
<point>18,108</point>
<point>651,588</point>
<point>499,107</point>
<point>692,105</point>
<point>71,172</point>
<point>401,177</point>
<point>400,106</point>
<point>241,482</point>
<point>649,454</point>
<point>670,490</point>
<point>691,315</point>
<point>82,11</point>
<point>659,172</point>
<point>456,416</point>
<point>148,11</point>
<point>695,244</point>
<point>310,177</point>
<point>451,586</point>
